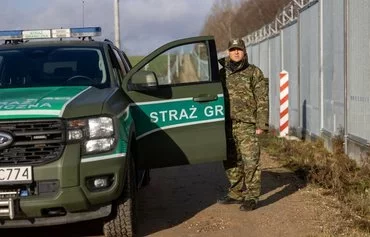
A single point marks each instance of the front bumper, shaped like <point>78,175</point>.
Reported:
<point>59,220</point>
<point>77,201</point>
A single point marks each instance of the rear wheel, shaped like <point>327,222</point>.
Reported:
<point>123,219</point>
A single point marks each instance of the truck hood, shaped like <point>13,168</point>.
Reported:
<point>45,102</point>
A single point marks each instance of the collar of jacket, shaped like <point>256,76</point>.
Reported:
<point>225,62</point>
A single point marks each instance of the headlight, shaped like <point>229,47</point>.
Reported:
<point>104,144</point>
<point>76,129</point>
<point>96,134</point>
<point>76,134</point>
<point>100,127</point>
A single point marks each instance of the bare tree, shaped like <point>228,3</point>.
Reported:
<point>219,22</point>
<point>229,19</point>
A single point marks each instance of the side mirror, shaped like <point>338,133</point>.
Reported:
<point>143,80</point>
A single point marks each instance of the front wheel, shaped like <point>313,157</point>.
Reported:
<point>146,178</point>
<point>123,218</point>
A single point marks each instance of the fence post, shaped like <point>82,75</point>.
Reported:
<point>177,65</point>
<point>199,60</point>
<point>169,81</point>
<point>284,103</point>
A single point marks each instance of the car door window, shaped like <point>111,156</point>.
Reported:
<point>181,65</point>
<point>116,68</point>
<point>125,60</point>
<point>120,62</point>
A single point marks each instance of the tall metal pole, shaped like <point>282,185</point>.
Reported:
<point>116,24</point>
<point>83,13</point>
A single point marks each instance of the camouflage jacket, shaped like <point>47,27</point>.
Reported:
<point>246,93</point>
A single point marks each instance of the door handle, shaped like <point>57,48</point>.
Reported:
<point>205,98</point>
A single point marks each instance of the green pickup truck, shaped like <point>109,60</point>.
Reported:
<point>80,127</point>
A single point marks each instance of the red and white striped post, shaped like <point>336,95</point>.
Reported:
<point>284,103</point>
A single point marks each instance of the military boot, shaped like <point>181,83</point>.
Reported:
<point>229,200</point>
<point>248,205</point>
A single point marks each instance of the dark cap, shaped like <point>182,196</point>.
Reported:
<point>236,43</point>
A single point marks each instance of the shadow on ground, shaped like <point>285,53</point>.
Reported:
<point>92,228</point>
<point>277,184</point>
<point>174,196</point>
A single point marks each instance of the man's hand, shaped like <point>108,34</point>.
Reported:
<point>259,131</point>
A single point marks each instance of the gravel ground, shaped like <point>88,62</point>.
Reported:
<point>181,201</point>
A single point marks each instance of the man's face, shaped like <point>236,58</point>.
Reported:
<point>236,54</point>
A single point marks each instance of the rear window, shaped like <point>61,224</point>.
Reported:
<point>52,66</point>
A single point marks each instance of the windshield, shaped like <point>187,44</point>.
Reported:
<point>52,66</point>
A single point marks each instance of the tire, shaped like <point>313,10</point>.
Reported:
<point>122,222</point>
<point>146,178</point>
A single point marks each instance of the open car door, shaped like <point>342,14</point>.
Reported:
<point>178,105</point>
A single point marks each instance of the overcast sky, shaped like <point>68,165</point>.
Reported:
<point>145,24</point>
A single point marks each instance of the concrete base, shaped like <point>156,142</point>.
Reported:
<point>356,149</point>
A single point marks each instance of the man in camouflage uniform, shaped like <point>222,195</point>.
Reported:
<point>246,96</point>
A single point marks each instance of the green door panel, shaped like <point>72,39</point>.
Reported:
<point>180,120</point>
<point>177,148</point>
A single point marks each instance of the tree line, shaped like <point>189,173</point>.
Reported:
<point>238,18</point>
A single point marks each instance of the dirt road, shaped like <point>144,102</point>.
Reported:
<point>181,201</point>
<point>187,72</point>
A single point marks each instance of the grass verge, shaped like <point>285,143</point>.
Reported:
<point>334,171</point>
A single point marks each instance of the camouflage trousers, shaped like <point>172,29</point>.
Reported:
<point>242,166</point>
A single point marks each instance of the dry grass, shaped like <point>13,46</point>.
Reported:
<point>339,175</point>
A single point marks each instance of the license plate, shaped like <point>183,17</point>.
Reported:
<point>12,175</point>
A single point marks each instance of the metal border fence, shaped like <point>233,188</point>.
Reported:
<point>324,46</point>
